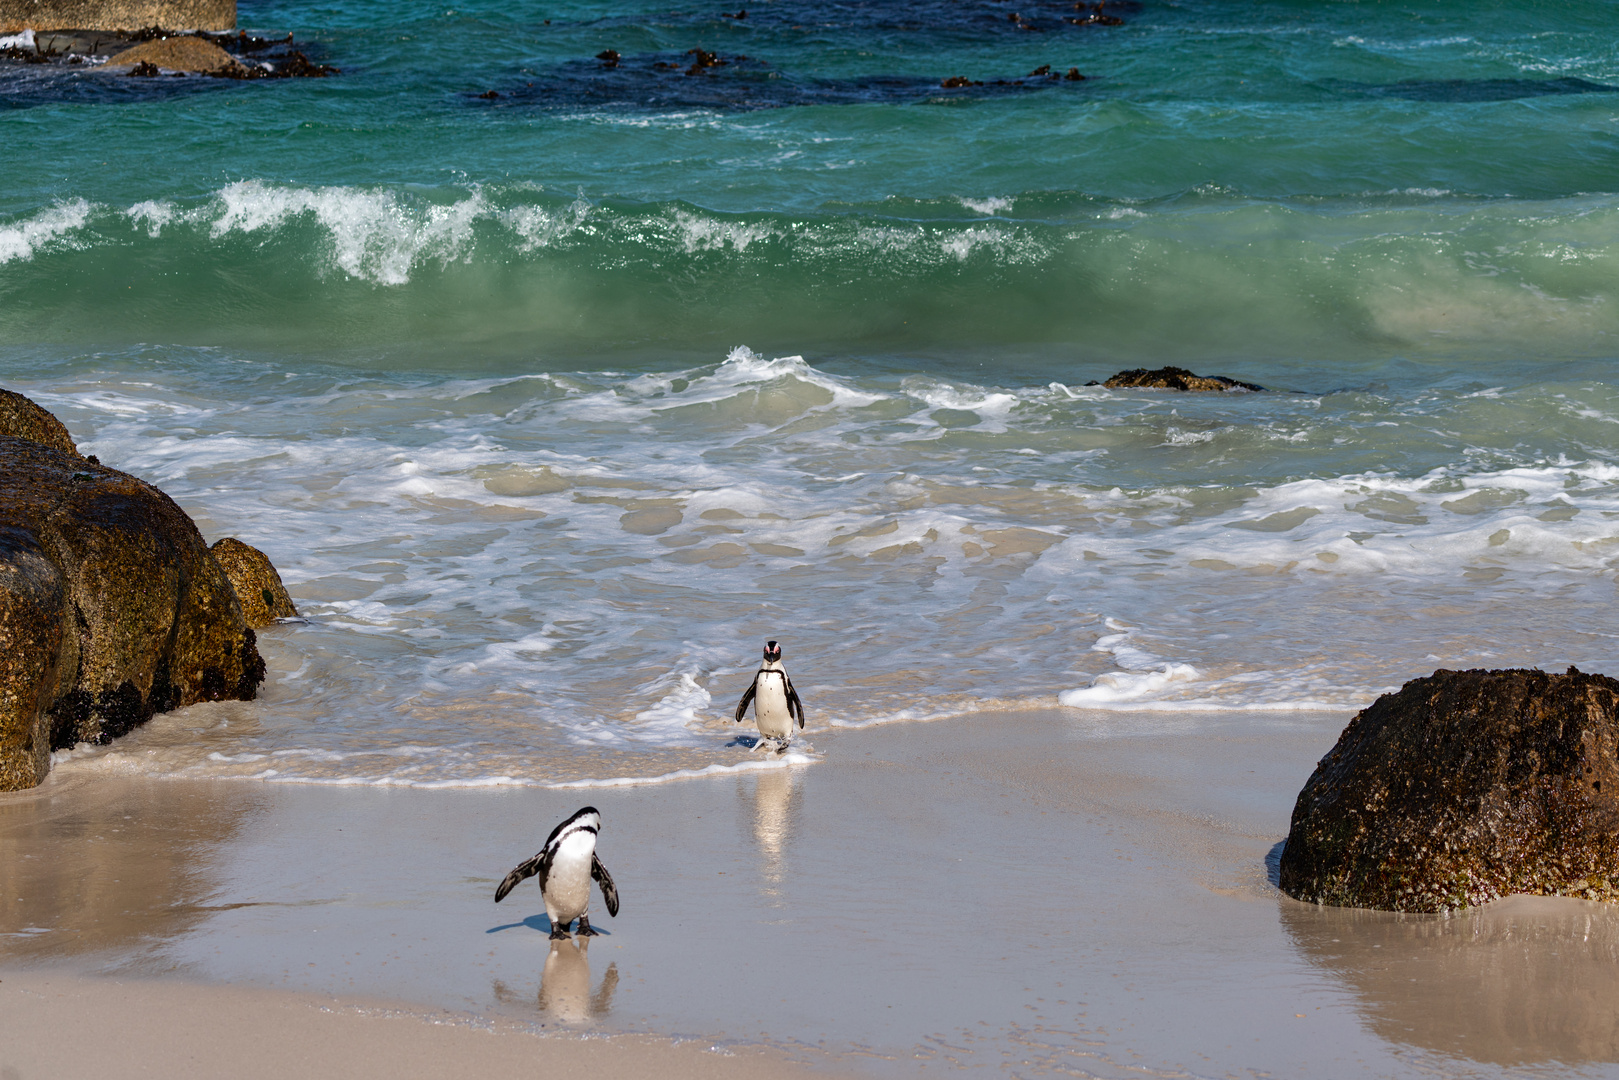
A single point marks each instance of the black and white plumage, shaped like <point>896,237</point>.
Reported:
<point>774,700</point>
<point>565,866</point>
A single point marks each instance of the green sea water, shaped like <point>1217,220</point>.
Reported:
<point>1349,182</point>
<point>552,405</point>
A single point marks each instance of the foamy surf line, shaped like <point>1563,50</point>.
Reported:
<point>113,764</point>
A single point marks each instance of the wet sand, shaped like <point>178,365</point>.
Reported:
<point>1045,893</point>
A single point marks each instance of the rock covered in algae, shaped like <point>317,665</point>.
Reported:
<point>1461,788</point>
<point>258,587</point>
<point>1174,378</point>
<point>112,608</point>
<point>21,418</point>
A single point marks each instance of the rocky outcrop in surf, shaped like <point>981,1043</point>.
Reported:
<point>258,587</point>
<point>112,608</point>
<point>1461,788</point>
<point>1173,378</point>
<point>22,418</point>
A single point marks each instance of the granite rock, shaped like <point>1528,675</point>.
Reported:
<point>16,15</point>
<point>23,419</point>
<point>1463,787</point>
<point>112,608</point>
<point>258,587</point>
<point>184,53</point>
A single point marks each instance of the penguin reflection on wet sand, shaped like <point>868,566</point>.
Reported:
<point>565,867</point>
<point>774,702</point>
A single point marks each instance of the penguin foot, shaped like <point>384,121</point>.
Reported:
<point>585,930</point>
<point>560,933</point>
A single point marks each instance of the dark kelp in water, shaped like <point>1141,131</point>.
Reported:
<point>702,79</point>
<point>1468,90</point>
<point>704,75</point>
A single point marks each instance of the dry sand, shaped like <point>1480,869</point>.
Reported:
<point>1029,894</point>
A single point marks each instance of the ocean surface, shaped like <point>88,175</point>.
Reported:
<point>551,406</point>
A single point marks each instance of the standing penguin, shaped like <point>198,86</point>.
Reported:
<point>774,701</point>
<point>565,866</point>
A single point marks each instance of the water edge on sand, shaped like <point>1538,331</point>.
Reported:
<point>1042,893</point>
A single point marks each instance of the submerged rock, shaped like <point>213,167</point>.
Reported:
<point>186,53</point>
<point>1461,788</point>
<point>112,609</point>
<point>23,419</point>
<point>258,587</point>
<point>1173,378</point>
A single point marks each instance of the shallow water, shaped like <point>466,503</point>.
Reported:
<point>551,407</point>
<point>1067,893</point>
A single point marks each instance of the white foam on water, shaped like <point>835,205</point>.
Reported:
<point>993,205</point>
<point>373,235</point>
<point>700,233</point>
<point>508,572</point>
<point>153,214</point>
<point>23,40</point>
<point>22,239</point>
<point>791,759</point>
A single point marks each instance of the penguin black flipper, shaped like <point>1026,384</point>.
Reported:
<point>742,706</point>
<point>539,864</point>
<point>793,704</point>
<point>605,880</point>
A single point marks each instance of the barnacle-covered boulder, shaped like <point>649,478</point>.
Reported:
<point>112,608</point>
<point>1463,787</point>
<point>23,418</point>
<point>258,586</point>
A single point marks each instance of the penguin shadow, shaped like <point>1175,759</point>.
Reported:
<point>542,924</point>
<point>565,993</point>
<point>768,746</point>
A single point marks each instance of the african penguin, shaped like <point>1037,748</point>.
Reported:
<point>774,701</point>
<point>565,866</point>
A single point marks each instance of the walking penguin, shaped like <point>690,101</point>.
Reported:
<point>774,701</point>
<point>565,866</point>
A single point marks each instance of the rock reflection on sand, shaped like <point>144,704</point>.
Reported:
<point>1525,979</point>
<point>119,867</point>
<point>565,984</point>
<point>775,801</point>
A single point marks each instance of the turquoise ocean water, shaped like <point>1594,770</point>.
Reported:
<point>551,405</point>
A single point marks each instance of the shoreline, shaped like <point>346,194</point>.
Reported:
<point>1075,892</point>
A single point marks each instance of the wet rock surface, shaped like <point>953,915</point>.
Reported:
<point>112,608</point>
<point>1173,378</point>
<point>188,53</point>
<point>21,418</point>
<point>258,587</point>
<point>84,65</point>
<point>1461,788</point>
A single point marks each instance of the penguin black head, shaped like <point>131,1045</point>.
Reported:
<point>772,651</point>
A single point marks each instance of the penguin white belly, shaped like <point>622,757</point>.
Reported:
<point>770,706</point>
<point>567,886</point>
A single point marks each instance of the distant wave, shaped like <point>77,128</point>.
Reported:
<point>1205,271</point>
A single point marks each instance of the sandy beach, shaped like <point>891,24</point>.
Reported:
<point>1041,893</point>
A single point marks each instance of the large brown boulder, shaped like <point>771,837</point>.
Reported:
<point>1461,788</point>
<point>258,587</point>
<point>16,15</point>
<point>1174,378</point>
<point>20,417</point>
<point>112,608</point>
